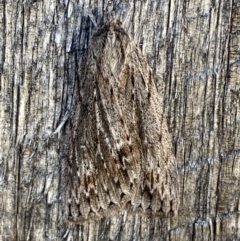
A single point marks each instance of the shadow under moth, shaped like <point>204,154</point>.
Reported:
<point>120,153</point>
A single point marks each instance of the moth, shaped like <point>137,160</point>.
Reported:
<point>120,153</point>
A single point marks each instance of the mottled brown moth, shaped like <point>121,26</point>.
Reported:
<point>120,153</point>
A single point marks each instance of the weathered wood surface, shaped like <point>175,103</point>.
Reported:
<point>193,49</point>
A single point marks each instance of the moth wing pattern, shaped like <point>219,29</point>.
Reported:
<point>120,153</point>
<point>158,190</point>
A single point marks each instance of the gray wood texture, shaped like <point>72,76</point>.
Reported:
<point>193,48</point>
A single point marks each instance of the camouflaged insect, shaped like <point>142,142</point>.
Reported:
<point>120,153</point>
